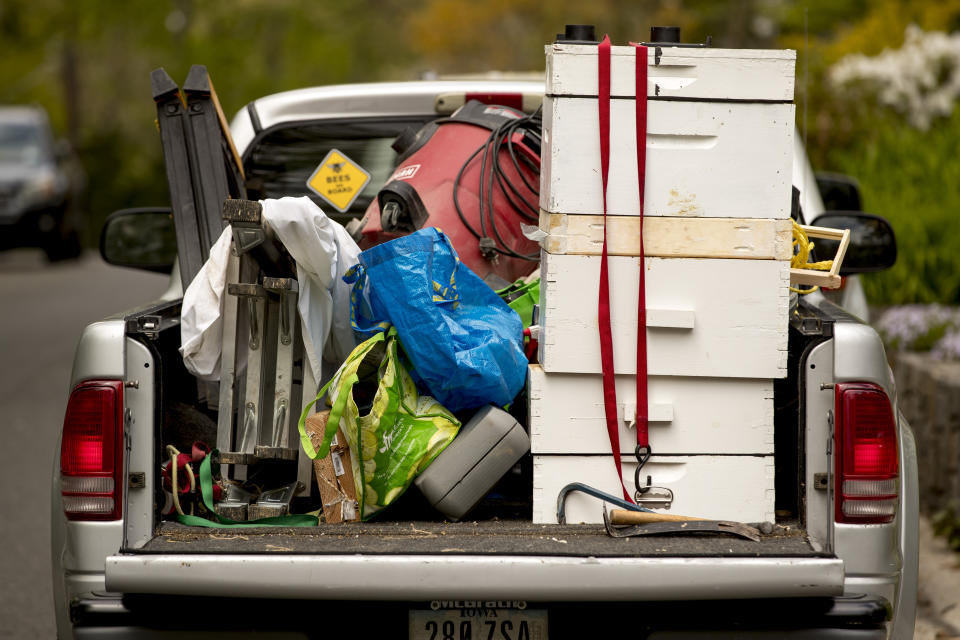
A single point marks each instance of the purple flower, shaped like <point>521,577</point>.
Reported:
<point>918,327</point>
<point>947,347</point>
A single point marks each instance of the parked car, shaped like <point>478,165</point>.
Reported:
<point>39,185</point>
<point>119,570</point>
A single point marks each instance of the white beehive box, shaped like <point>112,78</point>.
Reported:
<point>717,240</point>
<point>737,488</point>
<point>703,159</point>
<point>705,317</point>
<point>676,72</point>
<point>719,133</point>
<point>687,415</point>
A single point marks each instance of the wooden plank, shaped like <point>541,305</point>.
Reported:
<point>737,488</point>
<point>826,279</point>
<point>811,278</point>
<point>708,73</point>
<point>225,127</point>
<point>669,237</point>
<point>687,415</point>
<point>740,307</point>
<point>704,159</point>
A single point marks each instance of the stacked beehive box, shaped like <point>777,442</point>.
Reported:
<point>717,240</point>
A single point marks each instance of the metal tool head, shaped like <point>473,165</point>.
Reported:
<point>680,528</point>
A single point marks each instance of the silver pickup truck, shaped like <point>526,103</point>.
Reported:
<point>842,563</point>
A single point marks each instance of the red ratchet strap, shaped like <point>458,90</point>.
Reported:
<point>198,451</point>
<point>606,337</point>
<point>182,461</point>
<point>643,425</point>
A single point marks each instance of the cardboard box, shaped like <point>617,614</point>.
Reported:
<point>334,473</point>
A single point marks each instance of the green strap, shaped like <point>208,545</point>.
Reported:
<point>336,411</point>
<point>206,493</point>
<point>305,440</point>
<point>346,386</point>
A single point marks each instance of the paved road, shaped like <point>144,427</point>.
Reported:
<point>44,308</point>
<point>938,605</point>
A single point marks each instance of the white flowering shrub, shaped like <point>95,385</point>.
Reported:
<point>920,80</point>
<point>947,347</point>
<point>922,327</point>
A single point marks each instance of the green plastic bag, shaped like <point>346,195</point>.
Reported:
<point>397,438</point>
<point>521,296</point>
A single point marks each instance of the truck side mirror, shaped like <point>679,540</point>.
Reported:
<point>873,246</point>
<point>141,238</point>
<point>839,192</point>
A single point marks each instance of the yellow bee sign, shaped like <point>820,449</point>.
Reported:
<point>338,180</point>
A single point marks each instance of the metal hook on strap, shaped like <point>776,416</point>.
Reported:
<point>590,491</point>
<point>661,497</point>
<point>643,453</point>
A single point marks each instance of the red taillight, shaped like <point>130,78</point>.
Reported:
<point>91,453</point>
<point>867,459</point>
<point>514,100</point>
<point>447,103</point>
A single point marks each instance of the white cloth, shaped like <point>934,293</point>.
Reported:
<point>323,251</point>
<point>200,328</point>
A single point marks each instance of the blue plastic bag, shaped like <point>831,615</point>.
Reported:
<point>464,342</point>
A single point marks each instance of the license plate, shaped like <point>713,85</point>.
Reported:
<point>478,624</point>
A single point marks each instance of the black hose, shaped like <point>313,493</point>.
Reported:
<point>492,173</point>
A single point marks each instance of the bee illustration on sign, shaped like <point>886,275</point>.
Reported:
<point>338,180</point>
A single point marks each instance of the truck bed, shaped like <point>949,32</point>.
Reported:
<point>500,538</point>
<point>491,560</point>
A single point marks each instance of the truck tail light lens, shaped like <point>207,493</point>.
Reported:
<point>91,453</point>
<point>867,461</point>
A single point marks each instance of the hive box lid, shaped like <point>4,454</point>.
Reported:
<point>676,72</point>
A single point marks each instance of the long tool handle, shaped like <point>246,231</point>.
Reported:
<point>622,516</point>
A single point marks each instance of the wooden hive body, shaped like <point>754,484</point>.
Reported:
<point>717,247</point>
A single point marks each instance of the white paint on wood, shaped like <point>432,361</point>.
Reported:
<point>687,415</point>
<point>670,318</point>
<point>715,74</point>
<point>740,306</point>
<point>669,237</point>
<point>739,488</point>
<point>704,159</point>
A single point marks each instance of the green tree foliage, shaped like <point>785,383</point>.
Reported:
<point>906,174</point>
<point>910,177</point>
<point>88,62</point>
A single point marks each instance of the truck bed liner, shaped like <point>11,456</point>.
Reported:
<point>502,538</point>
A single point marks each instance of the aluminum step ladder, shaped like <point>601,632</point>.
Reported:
<point>263,372</point>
